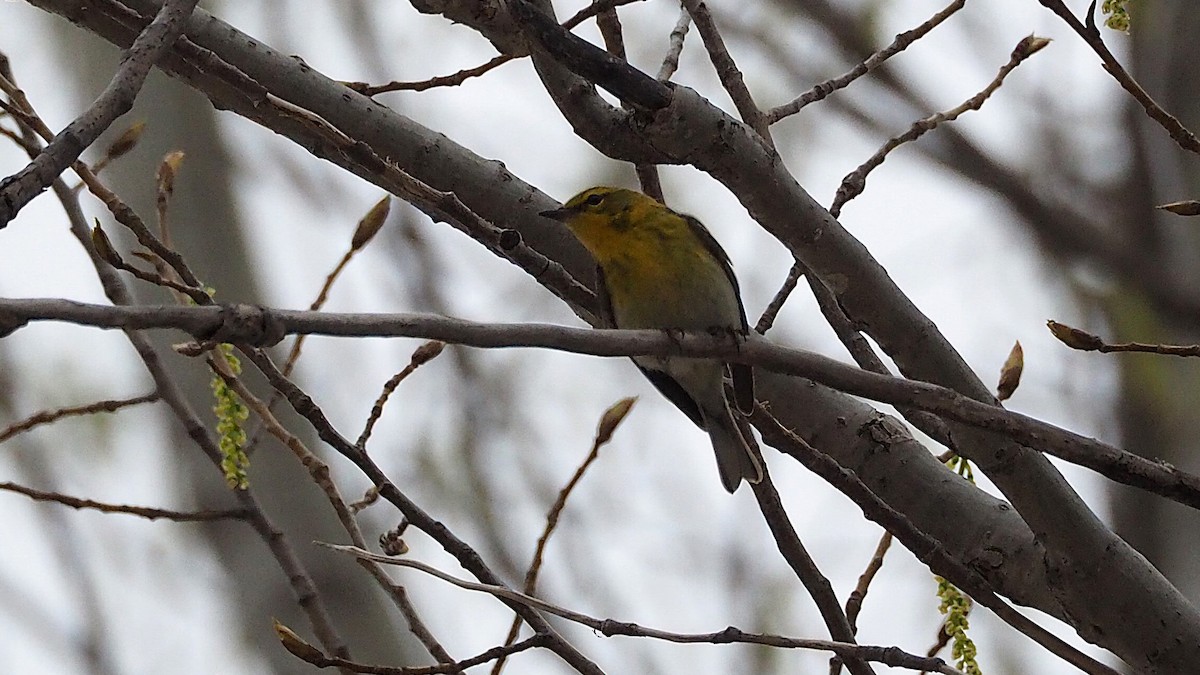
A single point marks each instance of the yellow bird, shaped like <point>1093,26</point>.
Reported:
<point>662,269</point>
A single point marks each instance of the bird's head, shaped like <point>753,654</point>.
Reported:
<point>602,208</point>
<point>615,223</point>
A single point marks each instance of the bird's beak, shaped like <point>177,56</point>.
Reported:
<point>561,215</point>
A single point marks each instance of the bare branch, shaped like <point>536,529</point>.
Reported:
<point>142,511</point>
<point>49,416</point>
<point>367,89</point>
<point>855,601</point>
<point>423,354</point>
<point>331,127</point>
<point>23,110</point>
<point>670,62</point>
<point>312,655</point>
<point>1087,342</point>
<point>902,42</point>
<point>276,541</point>
<point>864,355</point>
<point>107,251</point>
<point>243,323</point>
<point>1091,35</point>
<point>805,568</point>
<point>854,183</point>
<point>470,560</point>
<point>767,319</point>
<point>610,29</point>
<point>612,417</point>
<point>593,9</point>
<point>891,656</point>
<point>926,549</point>
<point>319,471</point>
<point>116,100</point>
<point>244,75</point>
<point>727,71</point>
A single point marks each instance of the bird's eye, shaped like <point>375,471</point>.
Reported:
<point>594,200</point>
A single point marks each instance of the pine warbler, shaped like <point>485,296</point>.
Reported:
<point>661,269</point>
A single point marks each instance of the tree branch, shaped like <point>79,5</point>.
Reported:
<point>116,100</point>
<point>256,325</point>
<point>299,580</point>
<point>891,656</point>
<point>142,511</point>
<point>470,560</point>
<point>1091,35</point>
<point>805,568</point>
<point>50,416</point>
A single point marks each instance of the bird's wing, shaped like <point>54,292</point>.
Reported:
<point>714,249</point>
<point>668,387</point>
<point>741,374</point>
<point>604,300</point>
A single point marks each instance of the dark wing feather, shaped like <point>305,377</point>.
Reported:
<point>741,374</point>
<point>667,386</point>
<point>710,244</point>
<point>743,387</point>
<point>604,300</point>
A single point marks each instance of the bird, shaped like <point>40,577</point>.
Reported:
<point>657,268</point>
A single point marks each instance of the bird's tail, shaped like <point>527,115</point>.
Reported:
<point>736,450</point>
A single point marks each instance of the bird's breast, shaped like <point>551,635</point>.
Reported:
<point>670,290</point>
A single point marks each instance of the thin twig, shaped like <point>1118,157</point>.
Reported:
<point>855,601</point>
<point>608,423</point>
<point>1087,342</point>
<point>891,656</point>
<point>610,29</point>
<point>299,580</point>
<point>142,511</point>
<point>48,416</point>
<point>470,560</point>
<point>1091,35</point>
<point>902,42</point>
<point>767,319</point>
<point>368,226</point>
<point>452,80</point>
<point>159,277</point>
<point>461,76</point>
<point>423,354</point>
<point>940,641</point>
<point>313,656</point>
<point>120,211</point>
<point>319,471</point>
<point>116,99</point>
<point>854,183</point>
<point>727,71</point>
<point>817,584</point>
<point>670,62</point>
